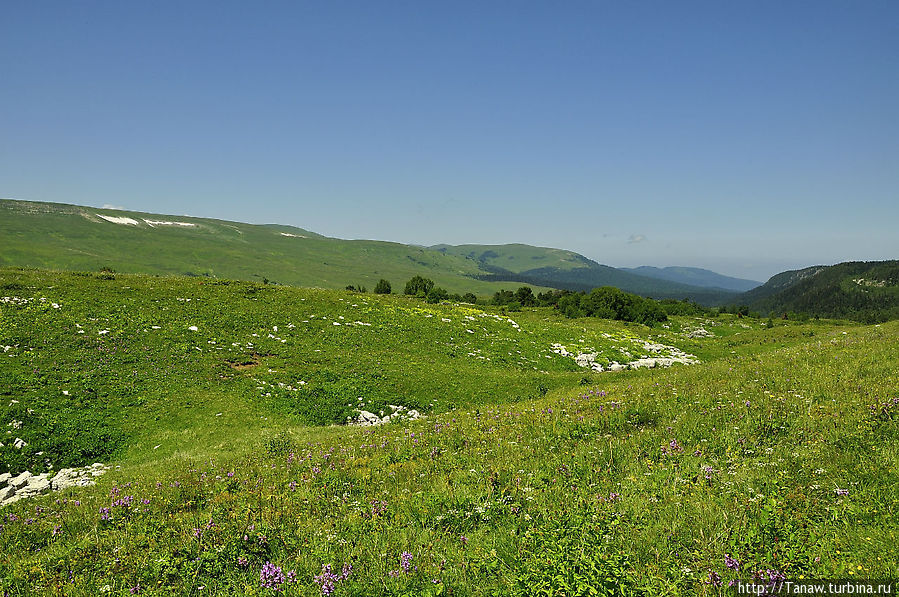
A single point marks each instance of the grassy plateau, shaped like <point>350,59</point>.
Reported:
<point>221,406</point>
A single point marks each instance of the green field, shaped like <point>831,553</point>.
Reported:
<point>221,406</point>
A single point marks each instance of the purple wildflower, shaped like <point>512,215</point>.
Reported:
<point>328,580</point>
<point>406,561</point>
<point>731,563</point>
<point>271,577</point>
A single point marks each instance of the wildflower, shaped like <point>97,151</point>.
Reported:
<point>271,577</point>
<point>731,563</point>
<point>328,580</point>
<point>242,562</point>
<point>841,492</point>
<point>406,561</point>
<point>714,579</point>
<point>136,589</point>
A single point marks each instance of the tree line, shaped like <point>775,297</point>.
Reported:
<point>606,302</point>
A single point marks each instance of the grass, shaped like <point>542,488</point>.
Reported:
<point>76,238</point>
<point>529,476</point>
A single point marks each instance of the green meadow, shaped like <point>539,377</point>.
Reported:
<point>222,407</point>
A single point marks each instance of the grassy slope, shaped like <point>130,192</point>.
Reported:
<point>565,269</point>
<point>517,257</point>
<point>68,237</point>
<point>511,493</point>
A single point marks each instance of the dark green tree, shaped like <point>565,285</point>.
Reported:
<point>418,286</point>
<point>437,294</point>
<point>525,296</point>
<point>382,287</point>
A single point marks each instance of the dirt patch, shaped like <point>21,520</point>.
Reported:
<point>243,365</point>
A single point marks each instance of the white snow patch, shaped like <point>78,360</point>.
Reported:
<point>293,235</point>
<point>116,220</point>
<point>165,223</point>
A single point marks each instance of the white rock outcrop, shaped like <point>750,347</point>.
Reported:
<point>365,418</point>
<point>26,485</point>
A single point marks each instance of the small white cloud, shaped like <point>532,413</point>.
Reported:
<point>635,238</point>
<point>110,206</point>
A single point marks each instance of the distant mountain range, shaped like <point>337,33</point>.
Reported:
<point>695,276</point>
<point>559,268</point>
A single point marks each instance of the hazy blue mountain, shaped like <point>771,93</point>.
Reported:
<point>694,276</point>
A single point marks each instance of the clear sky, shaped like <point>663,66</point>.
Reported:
<point>746,137</point>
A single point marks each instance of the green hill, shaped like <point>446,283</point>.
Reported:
<point>212,402</point>
<point>517,258</point>
<point>571,271</point>
<point>866,291</point>
<point>70,237</point>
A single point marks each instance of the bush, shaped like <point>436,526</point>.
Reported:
<point>418,286</point>
<point>469,297</point>
<point>382,287</point>
<point>437,294</point>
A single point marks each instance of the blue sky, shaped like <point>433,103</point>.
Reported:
<point>745,137</point>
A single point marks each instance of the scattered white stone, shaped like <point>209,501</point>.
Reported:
<point>365,418</point>
<point>700,333</point>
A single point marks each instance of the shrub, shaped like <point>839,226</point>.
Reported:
<point>437,294</point>
<point>382,287</point>
<point>418,286</point>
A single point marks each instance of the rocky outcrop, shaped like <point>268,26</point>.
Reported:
<point>365,418</point>
<point>700,333</point>
<point>26,485</point>
<point>667,356</point>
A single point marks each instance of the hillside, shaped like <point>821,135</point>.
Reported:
<point>858,290</point>
<point>210,401</point>
<point>70,237</point>
<point>695,276</point>
<point>571,271</point>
